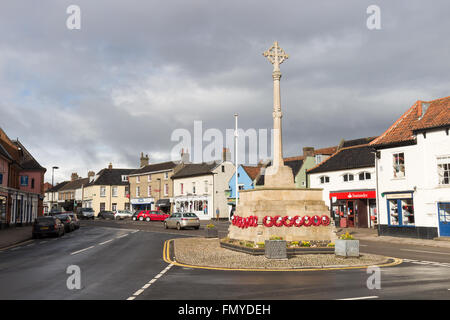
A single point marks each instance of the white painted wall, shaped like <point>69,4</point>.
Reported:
<point>337,182</point>
<point>421,176</point>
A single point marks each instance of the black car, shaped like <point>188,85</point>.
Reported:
<point>67,221</point>
<point>44,226</point>
<point>75,220</point>
<point>106,215</point>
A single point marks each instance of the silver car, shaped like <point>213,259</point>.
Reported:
<point>123,214</point>
<point>182,220</point>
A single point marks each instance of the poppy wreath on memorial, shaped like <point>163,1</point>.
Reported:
<point>307,221</point>
<point>325,220</point>
<point>298,221</point>
<point>316,221</point>
<point>286,223</point>
<point>277,221</point>
<point>268,221</point>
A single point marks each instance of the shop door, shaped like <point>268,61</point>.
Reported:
<point>351,213</point>
<point>362,214</point>
<point>444,219</point>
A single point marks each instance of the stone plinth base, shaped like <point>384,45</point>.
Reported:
<point>282,202</point>
<point>279,177</point>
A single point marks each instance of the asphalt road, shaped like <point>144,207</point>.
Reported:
<point>123,260</point>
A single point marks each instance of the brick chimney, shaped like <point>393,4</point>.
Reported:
<point>226,154</point>
<point>185,157</point>
<point>144,161</point>
<point>308,152</point>
<point>110,166</point>
<point>74,176</point>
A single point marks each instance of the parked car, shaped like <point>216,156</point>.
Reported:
<point>43,226</point>
<point>151,215</point>
<point>181,220</point>
<point>105,215</point>
<point>65,218</point>
<point>85,213</point>
<point>75,220</point>
<point>123,214</point>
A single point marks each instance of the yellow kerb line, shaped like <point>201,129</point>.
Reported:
<point>167,259</point>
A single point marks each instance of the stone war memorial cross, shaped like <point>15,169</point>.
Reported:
<point>279,208</point>
<point>277,175</point>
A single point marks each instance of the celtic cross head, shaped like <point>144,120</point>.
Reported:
<point>276,55</point>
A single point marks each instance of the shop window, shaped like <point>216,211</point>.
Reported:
<point>364,176</point>
<point>348,177</point>
<point>444,170</point>
<point>324,179</point>
<point>401,212</point>
<point>399,165</point>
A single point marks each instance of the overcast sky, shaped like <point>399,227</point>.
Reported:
<point>137,70</point>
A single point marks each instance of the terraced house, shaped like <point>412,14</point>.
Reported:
<point>107,190</point>
<point>413,166</point>
<point>151,186</point>
<point>21,183</point>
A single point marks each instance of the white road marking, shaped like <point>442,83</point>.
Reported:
<point>102,243</point>
<point>138,292</point>
<point>82,250</point>
<point>426,251</point>
<point>148,284</point>
<point>361,298</point>
<point>124,235</point>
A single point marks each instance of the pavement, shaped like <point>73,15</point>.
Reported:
<point>14,235</point>
<point>372,235</point>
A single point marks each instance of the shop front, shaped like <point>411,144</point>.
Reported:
<point>200,205</point>
<point>139,204</point>
<point>163,205</point>
<point>354,208</point>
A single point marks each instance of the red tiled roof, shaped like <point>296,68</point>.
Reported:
<point>437,113</point>
<point>252,172</point>
<point>327,151</point>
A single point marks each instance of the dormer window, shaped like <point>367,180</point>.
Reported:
<point>124,178</point>
<point>348,177</point>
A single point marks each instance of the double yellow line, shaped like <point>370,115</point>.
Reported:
<point>166,258</point>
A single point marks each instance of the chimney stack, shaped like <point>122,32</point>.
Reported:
<point>144,161</point>
<point>110,166</point>
<point>226,154</point>
<point>91,175</point>
<point>308,152</point>
<point>185,158</point>
<point>74,176</point>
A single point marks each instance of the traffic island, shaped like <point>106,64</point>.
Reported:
<point>208,253</point>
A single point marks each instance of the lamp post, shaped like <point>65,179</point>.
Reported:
<point>236,160</point>
<point>53,191</point>
<point>159,197</point>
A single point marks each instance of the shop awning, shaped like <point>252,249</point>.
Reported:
<point>163,203</point>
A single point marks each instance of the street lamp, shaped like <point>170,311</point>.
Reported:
<point>159,197</point>
<point>53,191</point>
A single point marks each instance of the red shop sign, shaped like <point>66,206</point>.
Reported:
<point>354,195</point>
